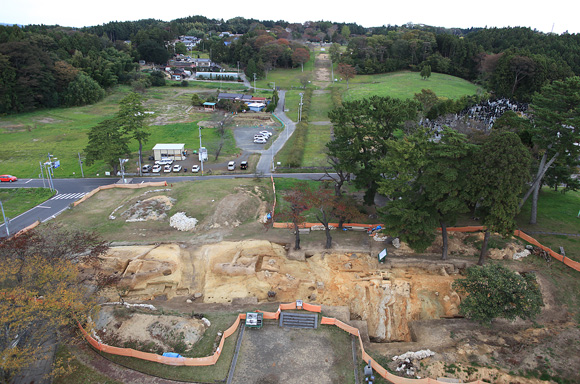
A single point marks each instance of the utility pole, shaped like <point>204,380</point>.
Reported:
<point>200,154</point>
<point>238,67</point>
<point>81,164</point>
<point>300,110</point>
<point>254,81</point>
<point>331,72</point>
<point>6,221</point>
<point>122,162</point>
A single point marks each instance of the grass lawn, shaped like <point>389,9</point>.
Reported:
<point>321,105</point>
<point>197,199</point>
<point>285,78</point>
<point>316,139</point>
<point>28,138</point>
<point>19,200</point>
<point>557,212</point>
<point>405,84</point>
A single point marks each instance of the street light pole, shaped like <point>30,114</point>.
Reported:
<point>5,219</point>
<point>42,174</point>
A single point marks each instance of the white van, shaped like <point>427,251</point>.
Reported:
<point>231,165</point>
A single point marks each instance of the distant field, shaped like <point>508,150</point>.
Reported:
<point>28,138</point>
<point>285,77</point>
<point>404,85</point>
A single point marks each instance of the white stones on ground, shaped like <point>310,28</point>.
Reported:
<point>396,243</point>
<point>521,255</point>
<point>419,355</point>
<point>181,222</point>
<point>379,237</point>
<point>147,306</point>
<point>188,301</point>
<point>206,322</point>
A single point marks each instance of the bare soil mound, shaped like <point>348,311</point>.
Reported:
<point>235,209</point>
<point>121,327</point>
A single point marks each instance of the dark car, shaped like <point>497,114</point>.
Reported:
<point>244,165</point>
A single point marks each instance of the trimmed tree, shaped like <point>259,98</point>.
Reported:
<point>500,169</point>
<point>346,71</point>
<point>131,118</point>
<point>494,291</point>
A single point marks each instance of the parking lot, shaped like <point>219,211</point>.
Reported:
<point>245,138</point>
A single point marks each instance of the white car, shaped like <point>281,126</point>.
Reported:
<point>265,133</point>
<point>231,165</point>
<point>177,168</point>
<point>260,140</point>
<point>164,161</point>
<point>167,168</point>
<point>156,168</point>
<point>195,169</point>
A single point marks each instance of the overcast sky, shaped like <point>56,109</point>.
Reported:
<point>545,16</point>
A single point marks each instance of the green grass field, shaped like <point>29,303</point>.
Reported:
<point>285,78</point>
<point>557,212</point>
<point>28,138</point>
<point>404,85</point>
<point>19,200</point>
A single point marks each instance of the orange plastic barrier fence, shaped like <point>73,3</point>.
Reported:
<point>211,360</point>
<point>570,263</point>
<point>189,361</point>
<point>26,229</point>
<point>376,366</point>
<point>130,186</point>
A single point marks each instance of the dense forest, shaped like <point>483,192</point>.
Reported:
<point>49,66</point>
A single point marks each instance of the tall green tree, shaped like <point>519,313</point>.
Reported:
<point>346,71</point>
<point>361,130</point>
<point>493,291</point>
<point>556,131</point>
<point>500,168</point>
<point>426,72</point>
<point>83,90</point>
<point>107,143</point>
<point>131,118</point>
<point>425,180</point>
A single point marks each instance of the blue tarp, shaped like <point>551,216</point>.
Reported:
<point>171,354</point>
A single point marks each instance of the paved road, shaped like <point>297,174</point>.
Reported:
<point>266,162</point>
<point>68,191</point>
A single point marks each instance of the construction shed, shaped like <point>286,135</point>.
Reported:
<point>172,151</point>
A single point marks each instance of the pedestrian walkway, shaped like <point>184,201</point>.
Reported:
<point>69,196</point>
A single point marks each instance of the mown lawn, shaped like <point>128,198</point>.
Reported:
<point>557,212</point>
<point>315,148</point>
<point>19,200</point>
<point>404,85</point>
<point>285,78</point>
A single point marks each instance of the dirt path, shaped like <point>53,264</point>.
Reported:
<point>322,71</point>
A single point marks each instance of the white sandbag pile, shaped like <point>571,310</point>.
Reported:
<point>181,222</point>
<point>419,355</point>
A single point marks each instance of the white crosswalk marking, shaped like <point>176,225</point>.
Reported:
<point>69,196</point>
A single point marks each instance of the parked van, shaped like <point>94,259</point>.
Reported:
<point>231,165</point>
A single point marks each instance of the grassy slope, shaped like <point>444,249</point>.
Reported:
<point>404,85</point>
<point>197,199</point>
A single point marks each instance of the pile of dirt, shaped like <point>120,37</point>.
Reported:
<point>237,208</point>
<point>119,326</point>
